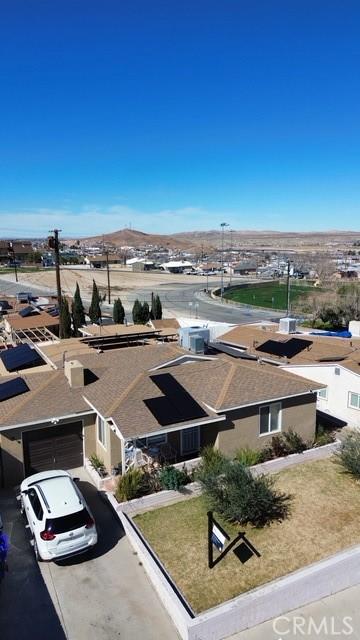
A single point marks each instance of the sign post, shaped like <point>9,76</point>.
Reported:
<point>218,538</point>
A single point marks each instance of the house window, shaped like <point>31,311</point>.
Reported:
<point>322,393</point>
<point>152,441</point>
<point>270,418</point>
<point>354,400</point>
<point>101,431</point>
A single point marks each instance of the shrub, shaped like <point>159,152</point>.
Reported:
<point>278,446</point>
<point>349,454</point>
<point>294,442</point>
<point>172,478</point>
<point>212,462</point>
<point>97,464</point>
<point>248,457</point>
<point>323,436</point>
<point>129,485</point>
<point>240,497</point>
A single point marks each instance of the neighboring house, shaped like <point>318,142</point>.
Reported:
<point>243,268</point>
<point>333,362</point>
<point>100,261</point>
<point>19,251</point>
<point>152,395</point>
<point>34,325</point>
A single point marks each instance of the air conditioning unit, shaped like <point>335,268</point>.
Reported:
<point>287,325</point>
<point>197,344</point>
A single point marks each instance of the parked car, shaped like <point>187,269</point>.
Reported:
<point>60,521</point>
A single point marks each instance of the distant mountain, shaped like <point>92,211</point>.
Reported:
<point>134,238</point>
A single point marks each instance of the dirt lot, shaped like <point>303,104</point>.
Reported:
<point>122,280</point>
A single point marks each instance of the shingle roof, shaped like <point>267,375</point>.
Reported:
<point>123,381</point>
<point>319,349</point>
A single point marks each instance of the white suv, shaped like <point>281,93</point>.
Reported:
<point>59,519</point>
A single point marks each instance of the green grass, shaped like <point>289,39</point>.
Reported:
<point>271,295</point>
<point>325,519</point>
<point>24,269</point>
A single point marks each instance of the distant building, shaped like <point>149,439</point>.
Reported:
<point>243,268</point>
<point>99,261</point>
<point>19,252</point>
<point>176,266</point>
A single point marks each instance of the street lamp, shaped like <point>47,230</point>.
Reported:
<point>222,225</point>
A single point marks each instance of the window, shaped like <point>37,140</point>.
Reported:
<point>101,431</point>
<point>337,371</point>
<point>152,441</point>
<point>354,400</point>
<point>36,504</point>
<point>322,393</point>
<point>270,418</point>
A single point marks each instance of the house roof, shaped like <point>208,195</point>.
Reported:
<point>315,349</point>
<point>166,323</point>
<point>41,319</point>
<point>124,386</point>
<point>96,330</point>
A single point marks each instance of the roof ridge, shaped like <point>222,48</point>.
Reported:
<point>226,385</point>
<point>34,393</point>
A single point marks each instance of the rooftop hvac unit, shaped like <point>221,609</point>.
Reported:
<point>287,325</point>
<point>185,334</point>
<point>354,328</point>
<point>197,344</point>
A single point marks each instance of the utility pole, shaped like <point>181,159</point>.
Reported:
<point>288,289</point>
<point>222,225</point>
<point>231,257</point>
<point>53,242</point>
<point>108,275</point>
<point>11,254</point>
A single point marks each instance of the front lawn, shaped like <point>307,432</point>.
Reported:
<point>325,518</point>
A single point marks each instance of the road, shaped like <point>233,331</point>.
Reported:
<point>178,299</point>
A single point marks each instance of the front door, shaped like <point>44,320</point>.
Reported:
<point>190,440</point>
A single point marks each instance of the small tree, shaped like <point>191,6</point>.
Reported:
<point>137,312</point>
<point>65,319</point>
<point>118,312</point>
<point>156,308</point>
<point>77,309</point>
<point>95,309</point>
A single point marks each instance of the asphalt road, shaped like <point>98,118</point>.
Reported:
<point>186,300</point>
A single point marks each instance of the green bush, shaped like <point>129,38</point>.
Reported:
<point>240,497</point>
<point>294,442</point>
<point>172,478</point>
<point>212,462</point>
<point>323,436</point>
<point>129,485</point>
<point>97,463</point>
<point>278,446</point>
<point>248,457</point>
<point>348,455</point>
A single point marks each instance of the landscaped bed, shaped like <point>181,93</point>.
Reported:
<point>325,518</point>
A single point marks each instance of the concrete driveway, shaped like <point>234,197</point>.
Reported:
<point>101,596</point>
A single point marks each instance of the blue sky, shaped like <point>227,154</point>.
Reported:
<point>177,115</point>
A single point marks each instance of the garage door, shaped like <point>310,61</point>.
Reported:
<point>58,447</point>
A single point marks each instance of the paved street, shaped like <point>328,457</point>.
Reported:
<point>104,596</point>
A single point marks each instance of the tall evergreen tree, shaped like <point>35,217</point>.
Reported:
<point>95,309</point>
<point>145,313</point>
<point>137,312</point>
<point>65,319</point>
<point>77,310</point>
<point>118,312</point>
<point>157,308</point>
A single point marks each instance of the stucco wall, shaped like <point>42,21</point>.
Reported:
<point>242,428</point>
<point>338,388</point>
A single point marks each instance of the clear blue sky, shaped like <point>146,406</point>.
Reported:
<point>177,115</point>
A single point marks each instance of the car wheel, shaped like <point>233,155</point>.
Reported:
<point>36,551</point>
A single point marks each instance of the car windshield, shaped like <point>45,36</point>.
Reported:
<point>69,522</point>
